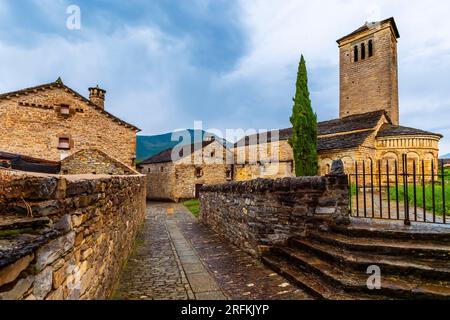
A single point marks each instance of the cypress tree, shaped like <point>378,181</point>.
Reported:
<point>304,123</point>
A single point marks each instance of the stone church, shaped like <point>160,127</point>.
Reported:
<point>52,122</point>
<point>368,127</point>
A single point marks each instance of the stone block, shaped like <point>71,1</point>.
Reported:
<point>54,250</point>
<point>11,272</point>
<point>43,283</point>
<point>17,292</point>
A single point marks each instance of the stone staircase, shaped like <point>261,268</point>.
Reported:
<point>332,263</point>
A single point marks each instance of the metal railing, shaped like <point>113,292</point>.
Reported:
<point>409,191</point>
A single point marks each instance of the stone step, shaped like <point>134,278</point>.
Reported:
<point>398,247</point>
<point>360,261</point>
<point>310,282</point>
<point>386,229</point>
<point>16,222</point>
<point>398,287</point>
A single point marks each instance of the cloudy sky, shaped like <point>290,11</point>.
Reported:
<point>229,63</point>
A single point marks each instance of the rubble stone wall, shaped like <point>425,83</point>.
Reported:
<point>260,213</point>
<point>66,237</point>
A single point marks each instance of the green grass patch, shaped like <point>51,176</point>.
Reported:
<point>193,206</point>
<point>428,190</point>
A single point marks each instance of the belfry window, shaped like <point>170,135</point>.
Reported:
<point>370,48</point>
<point>355,53</point>
<point>363,51</point>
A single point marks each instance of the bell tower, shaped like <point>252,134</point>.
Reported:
<point>369,70</point>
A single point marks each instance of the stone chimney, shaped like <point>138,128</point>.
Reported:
<point>97,96</point>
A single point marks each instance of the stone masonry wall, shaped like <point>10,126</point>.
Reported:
<point>260,213</point>
<point>93,161</point>
<point>66,237</point>
<point>371,82</point>
<point>30,124</point>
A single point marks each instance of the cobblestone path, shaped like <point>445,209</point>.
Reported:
<point>177,258</point>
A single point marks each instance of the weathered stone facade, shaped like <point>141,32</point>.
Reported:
<point>52,122</point>
<point>93,161</point>
<point>181,179</point>
<point>66,237</point>
<point>369,81</point>
<point>264,160</point>
<point>260,213</point>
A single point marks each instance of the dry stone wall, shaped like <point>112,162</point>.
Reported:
<point>66,237</point>
<point>260,213</point>
<point>93,161</point>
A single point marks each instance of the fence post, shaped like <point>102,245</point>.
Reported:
<point>405,189</point>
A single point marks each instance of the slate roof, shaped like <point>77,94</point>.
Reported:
<point>346,141</point>
<point>351,123</point>
<point>366,121</point>
<point>388,130</point>
<point>369,25</point>
<point>58,83</point>
<point>11,156</point>
<point>166,155</point>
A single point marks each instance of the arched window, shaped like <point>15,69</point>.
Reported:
<point>370,48</point>
<point>355,53</point>
<point>363,51</point>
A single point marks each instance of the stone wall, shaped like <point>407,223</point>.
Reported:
<point>260,213</point>
<point>31,124</point>
<point>66,237</point>
<point>93,161</point>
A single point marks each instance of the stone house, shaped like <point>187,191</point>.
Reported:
<point>52,121</point>
<point>178,174</point>
<point>368,128</point>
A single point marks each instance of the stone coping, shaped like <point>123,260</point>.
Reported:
<point>316,184</point>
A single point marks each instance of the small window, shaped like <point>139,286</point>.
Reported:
<point>162,169</point>
<point>198,172</point>
<point>65,109</point>
<point>213,154</point>
<point>229,175</point>
<point>370,48</point>
<point>355,54</point>
<point>64,144</point>
<point>363,51</point>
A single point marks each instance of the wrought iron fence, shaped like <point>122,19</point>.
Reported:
<point>409,191</point>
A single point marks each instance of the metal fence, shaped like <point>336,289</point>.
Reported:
<point>409,191</point>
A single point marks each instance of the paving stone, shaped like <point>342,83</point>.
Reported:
<point>177,258</point>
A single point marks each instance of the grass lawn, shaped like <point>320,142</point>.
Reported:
<point>193,206</point>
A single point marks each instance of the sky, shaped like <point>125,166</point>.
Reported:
<point>229,63</point>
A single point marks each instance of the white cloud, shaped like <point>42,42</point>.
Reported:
<point>135,65</point>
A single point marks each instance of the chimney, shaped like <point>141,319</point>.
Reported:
<point>97,96</point>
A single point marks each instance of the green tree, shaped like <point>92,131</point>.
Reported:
<point>304,122</point>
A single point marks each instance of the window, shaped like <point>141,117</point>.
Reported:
<point>355,53</point>
<point>229,175</point>
<point>198,172</point>
<point>363,51</point>
<point>370,48</point>
<point>162,169</point>
<point>65,110</point>
<point>213,154</point>
<point>64,144</point>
